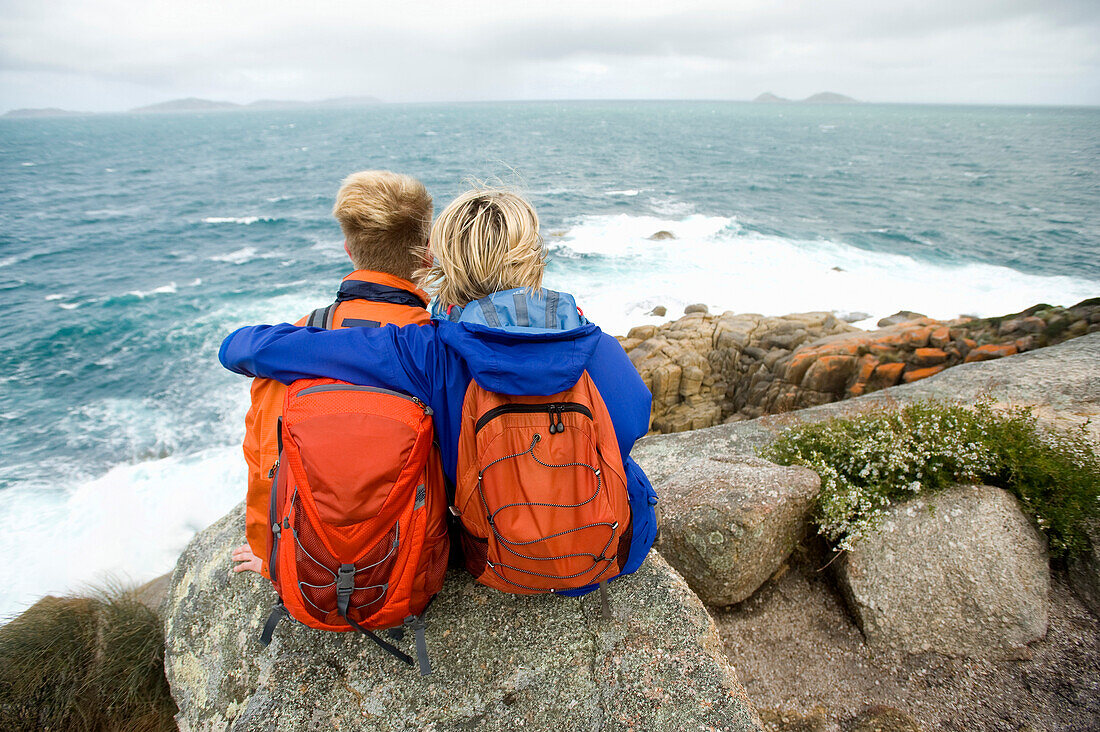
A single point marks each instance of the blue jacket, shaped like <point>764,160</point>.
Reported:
<point>513,342</point>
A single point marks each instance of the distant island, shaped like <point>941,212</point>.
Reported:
<point>191,104</point>
<point>194,104</point>
<point>819,98</point>
<point>44,112</point>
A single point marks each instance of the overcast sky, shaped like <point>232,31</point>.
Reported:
<point>101,55</point>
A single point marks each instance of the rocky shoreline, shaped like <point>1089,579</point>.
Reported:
<point>718,609</point>
<point>708,369</point>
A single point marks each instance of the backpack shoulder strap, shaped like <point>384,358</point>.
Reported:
<point>322,317</point>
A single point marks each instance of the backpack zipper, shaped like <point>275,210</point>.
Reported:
<point>554,409</point>
<point>273,508</point>
<point>320,388</point>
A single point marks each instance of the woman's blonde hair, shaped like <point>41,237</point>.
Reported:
<point>485,241</point>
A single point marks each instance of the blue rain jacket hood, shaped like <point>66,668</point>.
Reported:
<point>513,342</point>
<point>517,342</point>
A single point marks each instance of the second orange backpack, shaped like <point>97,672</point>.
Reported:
<point>541,493</point>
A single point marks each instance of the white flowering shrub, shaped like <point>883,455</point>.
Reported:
<point>873,460</point>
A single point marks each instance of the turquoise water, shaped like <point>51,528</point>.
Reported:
<point>129,245</point>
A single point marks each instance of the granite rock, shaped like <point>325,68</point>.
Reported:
<point>728,523</point>
<point>501,662</point>
<point>962,572</point>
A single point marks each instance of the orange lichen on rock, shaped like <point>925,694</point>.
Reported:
<point>829,374</point>
<point>991,351</point>
<point>885,374</point>
<point>929,356</point>
<point>940,337</point>
<point>917,374</point>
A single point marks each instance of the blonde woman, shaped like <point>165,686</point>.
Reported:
<point>495,326</point>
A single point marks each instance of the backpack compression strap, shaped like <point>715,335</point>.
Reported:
<point>345,585</point>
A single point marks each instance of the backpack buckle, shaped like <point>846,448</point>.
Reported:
<point>345,580</point>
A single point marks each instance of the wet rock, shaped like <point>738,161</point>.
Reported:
<point>659,311</point>
<point>728,523</point>
<point>961,572</point>
<point>501,662</point>
<point>696,308</point>
<point>661,235</point>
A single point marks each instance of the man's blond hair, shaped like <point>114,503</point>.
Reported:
<point>485,241</point>
<point>386,218</point>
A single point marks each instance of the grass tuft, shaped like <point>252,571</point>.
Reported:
<point>85,663</point>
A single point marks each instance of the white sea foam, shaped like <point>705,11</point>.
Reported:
<point>130,523</point>
<point>246,220</point>
<point>627,192</point>
<point>168,289</point>
<point>714,261</point>
<point>239,256</point>
<point>56,296</point>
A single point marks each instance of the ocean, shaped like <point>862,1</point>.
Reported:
<point>131,245</point>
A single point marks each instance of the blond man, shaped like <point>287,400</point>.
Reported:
<point>386,218</point>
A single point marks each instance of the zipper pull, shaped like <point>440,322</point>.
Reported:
<point>556,425</point>
<point>274,467</point>
<point>427,410</point>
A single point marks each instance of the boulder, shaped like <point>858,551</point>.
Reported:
<point>728,523</point>
<point>501,662</point>
<point>659,311</point>
<point>902,316</point>
<point>696,308</point>
<point>962,573</point>
<point>661,235</point>
<point>830,374</point>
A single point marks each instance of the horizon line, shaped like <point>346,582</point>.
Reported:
<point>243,106</point>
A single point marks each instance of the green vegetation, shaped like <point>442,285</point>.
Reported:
<point>85,663</point>
<point>873,460</point>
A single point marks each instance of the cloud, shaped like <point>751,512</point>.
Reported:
<point>938,50</point>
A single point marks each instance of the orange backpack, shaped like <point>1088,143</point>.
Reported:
<point>358,512</point>
<point>541,492</point>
